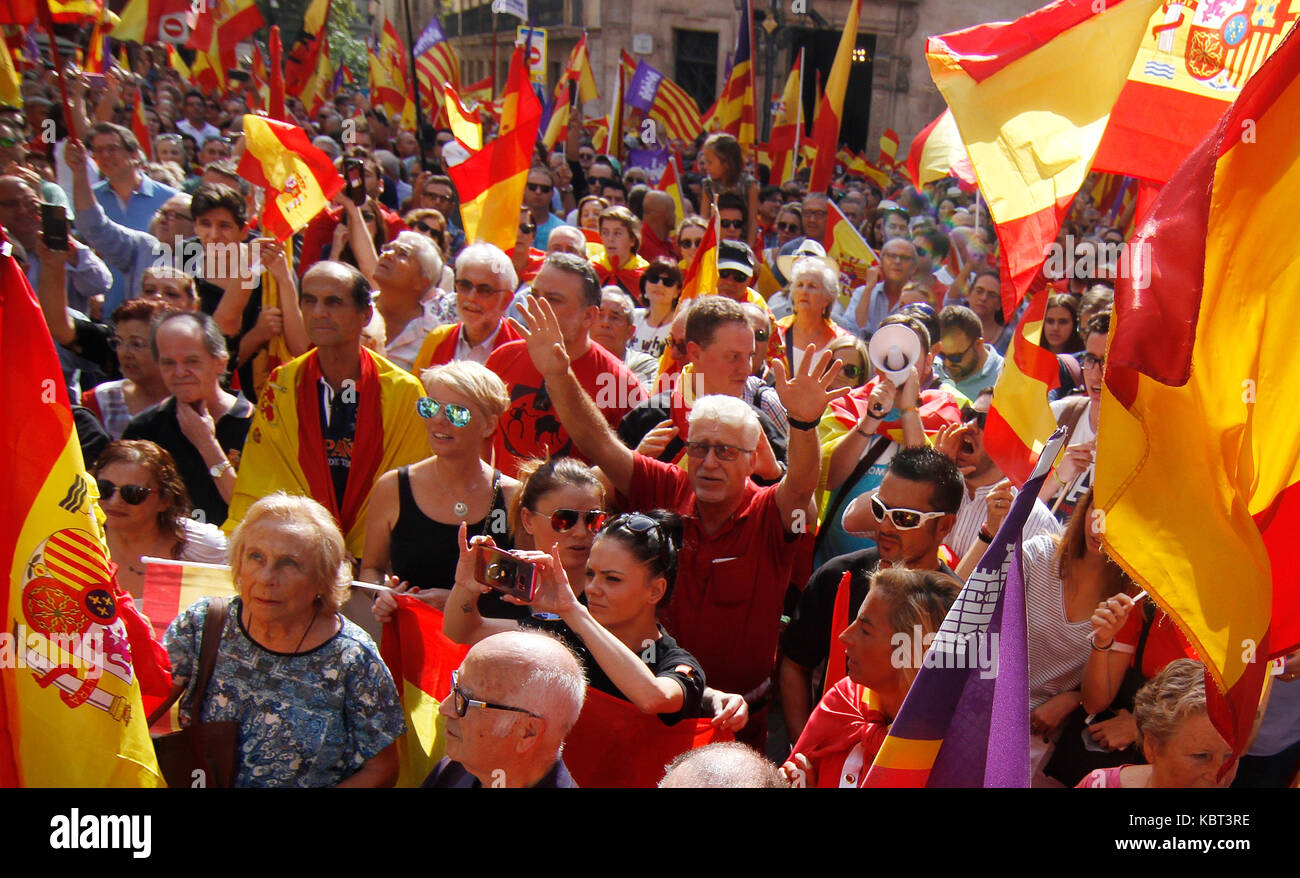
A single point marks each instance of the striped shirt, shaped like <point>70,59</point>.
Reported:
<point>1058,648</point>
<point>974,513</point>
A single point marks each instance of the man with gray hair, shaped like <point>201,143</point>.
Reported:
<point>740,541</point>
<point>406,276</point>
<point>724,765</point>
<point>513,701</point>
<point>614,329</point>
<point>485,278</point>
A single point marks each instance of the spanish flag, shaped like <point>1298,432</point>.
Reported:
<point>888,149</point>
<point>830,109</point>
<point>389,80</point>
<point>702,274</point>
<point>1031,131</point>
<point>735,113</point>
<point>670,182</point>
<point>849,249</point>
<point>491,181</point>
<point>140,128</point>
<point>787,128</point>
<point>1198,463</point>
<point>70,706</point>
<point>937,152</point>
<point>285,450</point>
<point>1020,419</point>
<point>466,125</point>
<point>299,178</point>
<point>10,82</point>
<point>421,659</point>
<point>577,74</point>
<point>224,25</point>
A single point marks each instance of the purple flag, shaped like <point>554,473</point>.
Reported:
<point>644,86</point>
<point>654,161</point>
<point>971,696</point>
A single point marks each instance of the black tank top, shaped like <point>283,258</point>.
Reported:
<point>424,552</point>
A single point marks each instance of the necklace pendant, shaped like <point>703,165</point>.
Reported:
<point>460,509</point>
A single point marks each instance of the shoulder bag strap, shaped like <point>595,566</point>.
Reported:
<point>213,622</point>
<point>878,446</point>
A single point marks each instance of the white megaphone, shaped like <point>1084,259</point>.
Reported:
<point>894,349</point>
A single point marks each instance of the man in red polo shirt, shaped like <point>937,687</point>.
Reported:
<point>740,540</point>
<point>530,427</point>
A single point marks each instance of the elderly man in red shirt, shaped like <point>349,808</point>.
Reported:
<point>740,540</point>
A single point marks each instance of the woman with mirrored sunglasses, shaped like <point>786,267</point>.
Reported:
<point>852,352</point>
<point>147,512</point>
<point>416,511</point>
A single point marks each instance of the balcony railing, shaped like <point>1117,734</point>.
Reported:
<point>545,13</point>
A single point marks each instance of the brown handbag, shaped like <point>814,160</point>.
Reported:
<point>201,754</point>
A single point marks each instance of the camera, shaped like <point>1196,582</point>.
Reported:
<point>354,176</point>
<point>506,573</point>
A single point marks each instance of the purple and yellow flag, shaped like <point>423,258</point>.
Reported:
<point>974,679</point>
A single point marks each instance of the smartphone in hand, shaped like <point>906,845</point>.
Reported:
<point>54,226</point>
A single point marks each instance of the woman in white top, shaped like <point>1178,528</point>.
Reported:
<point>1066,577</point>
<point>147,512</point>
<point>141,385</point>
<point>661,285</point>
<point>814,287</point>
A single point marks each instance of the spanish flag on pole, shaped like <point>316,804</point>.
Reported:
<point>491,181</point>
<point>830,109</point>
<point>578,72</point>
<point>937,152</point>
<point>1031,131</point>
<point>70,707</point>
<point>787,129</point>
<point>671,183</point>
<point>1020,419</point>
<point>1198,463</point>
<point>466,125</point>
<point>849,249</point>
<point>299,178</point>
<point>735,113</point>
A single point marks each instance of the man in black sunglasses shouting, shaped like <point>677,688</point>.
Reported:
<point>740,540</point>
<point>909,515</point>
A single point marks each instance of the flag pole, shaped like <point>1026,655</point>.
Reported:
<point>415,89</point>
<point>494,54</point>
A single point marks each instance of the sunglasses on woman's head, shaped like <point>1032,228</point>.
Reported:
<point>564,520</point>
<point>428,408</point>
<point>903,519</point>
<point>132,495</point>
<point>638,523</point>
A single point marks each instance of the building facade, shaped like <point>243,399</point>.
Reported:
<point>692,41</point>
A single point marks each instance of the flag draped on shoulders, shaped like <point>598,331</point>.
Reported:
<point>70,704</point>
<point>965,720</point>
<point>285,450</point>
<point>1030,130</point>
<point>1197,457</point>
<point>421,659</point>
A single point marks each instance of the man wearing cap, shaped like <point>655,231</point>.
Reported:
<point>735,270</point>
<point>864,311</point>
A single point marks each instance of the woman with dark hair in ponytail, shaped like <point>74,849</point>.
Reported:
<point>616,632</point>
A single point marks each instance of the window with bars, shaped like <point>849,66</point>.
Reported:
<point>696,64</point>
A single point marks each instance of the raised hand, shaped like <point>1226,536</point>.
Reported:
<point>1109,618</point>
<point>807,394</point>
<point>541,331</point>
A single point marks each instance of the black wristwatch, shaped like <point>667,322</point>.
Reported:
<point>803,425</point>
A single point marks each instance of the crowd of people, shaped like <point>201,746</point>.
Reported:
<point>689,477</point>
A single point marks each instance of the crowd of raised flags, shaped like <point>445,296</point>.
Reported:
<point>1197,454</point>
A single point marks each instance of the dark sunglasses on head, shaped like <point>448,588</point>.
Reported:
<point>638,523</point>
<point>132,495</point>
<point>428,408</point>
<point>733,274</point>
<point>728,453</point>
<point>540,187</point>
<point>903,519</point>
<point>563,520</point>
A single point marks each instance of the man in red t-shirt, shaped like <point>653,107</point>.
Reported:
<point>530,427</point>
<point>739,540</point>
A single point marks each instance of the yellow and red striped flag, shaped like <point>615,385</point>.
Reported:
<point>888,149</point>
<point>613,142</point>
<point>702,274</point>
<point>223,26</point>
<point>70,707</point>
<point>466,125</point>
<point>170,587</point>
<point>316,88</point>
<point>1031,132</point>
<point>491,181</point>
<point>1020,419</point>
<point>937,152</point>
<point>787,127</point>
<point>436,66</point>
<point>299,179</point>
<point>830,109</point>
<point>11,91</point>
<point>849,249</point>
<point>577,70</point>
<point>389,78</point>
<point>144,21</point>
<point>421,659</point>
<point>1198,459</point>
<point>736,113</point>
<point>670,182</point>
<point>140,128</point>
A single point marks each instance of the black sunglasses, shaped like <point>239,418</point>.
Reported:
<point>563,520</point>
<point>726,453</point>
<point>637,523</point>
<point>733,274</point>
<point>970,415</point>
<point>789,227</point>
<point>733,224</point>
<point>132,495</point>
<point>540,187</point>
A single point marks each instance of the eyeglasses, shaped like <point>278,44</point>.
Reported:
<point>640,523</point>
<point>586,156</point>
<point>726,453</point>
<point>462,702</point>
<point>903,519</point>
<point>970,416</point>
<point>427,229</point>
<point>761,335</point>
<point>540,187</point>
<point>428,408</point>
<point>956,358</point>
<point>132,495</point>
<point>483,290</point>
<point>564,520</point>
<point>689,243</point>
<point>789,227</point>
<point>1089,361</point>
<point>852,371</point>
<point>898,257</point>
<point>134,345</point>
<point>921,251</point>
<point>732,224</point>
<point>733,274</point>
<point>175,215</point>
<point>527,229</point>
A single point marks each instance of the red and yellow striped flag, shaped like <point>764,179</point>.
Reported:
<point>1198,462</point>
<point>140,128</point>
<point>170,587</point>
<point>937,152</point>
<point>491,181</point>
<point>466,125</point>
<point>702,275</point>
<point>787,128</point>
<point>849,249</point>
<point>830,109</point>
<point>670,182</point>
<point>70,706</point>
<point>888,149</point>
<point>735,113</point>
<point>578,72</point>
<point>300,179</point>
<point>1031,132</point>
<point>1020,419</point>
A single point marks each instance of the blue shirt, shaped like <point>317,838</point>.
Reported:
<point>544,230</point>
<point>971,385</point>
<point>128,253</point>
<point>136,214</point>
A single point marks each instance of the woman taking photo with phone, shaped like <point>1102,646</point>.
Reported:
<point>610,618</point>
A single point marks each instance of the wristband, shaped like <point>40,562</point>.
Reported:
<point>864,435</point>
<point>1057,476</point>
<point>1093,644</point>
<point>803,425</point>
<point>984,536</point>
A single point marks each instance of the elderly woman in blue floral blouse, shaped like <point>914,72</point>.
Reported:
<point>316,705</point>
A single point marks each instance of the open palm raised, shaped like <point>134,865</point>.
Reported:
<point>806,395</point>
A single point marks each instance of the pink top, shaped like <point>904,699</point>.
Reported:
<point>1102,778</point>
